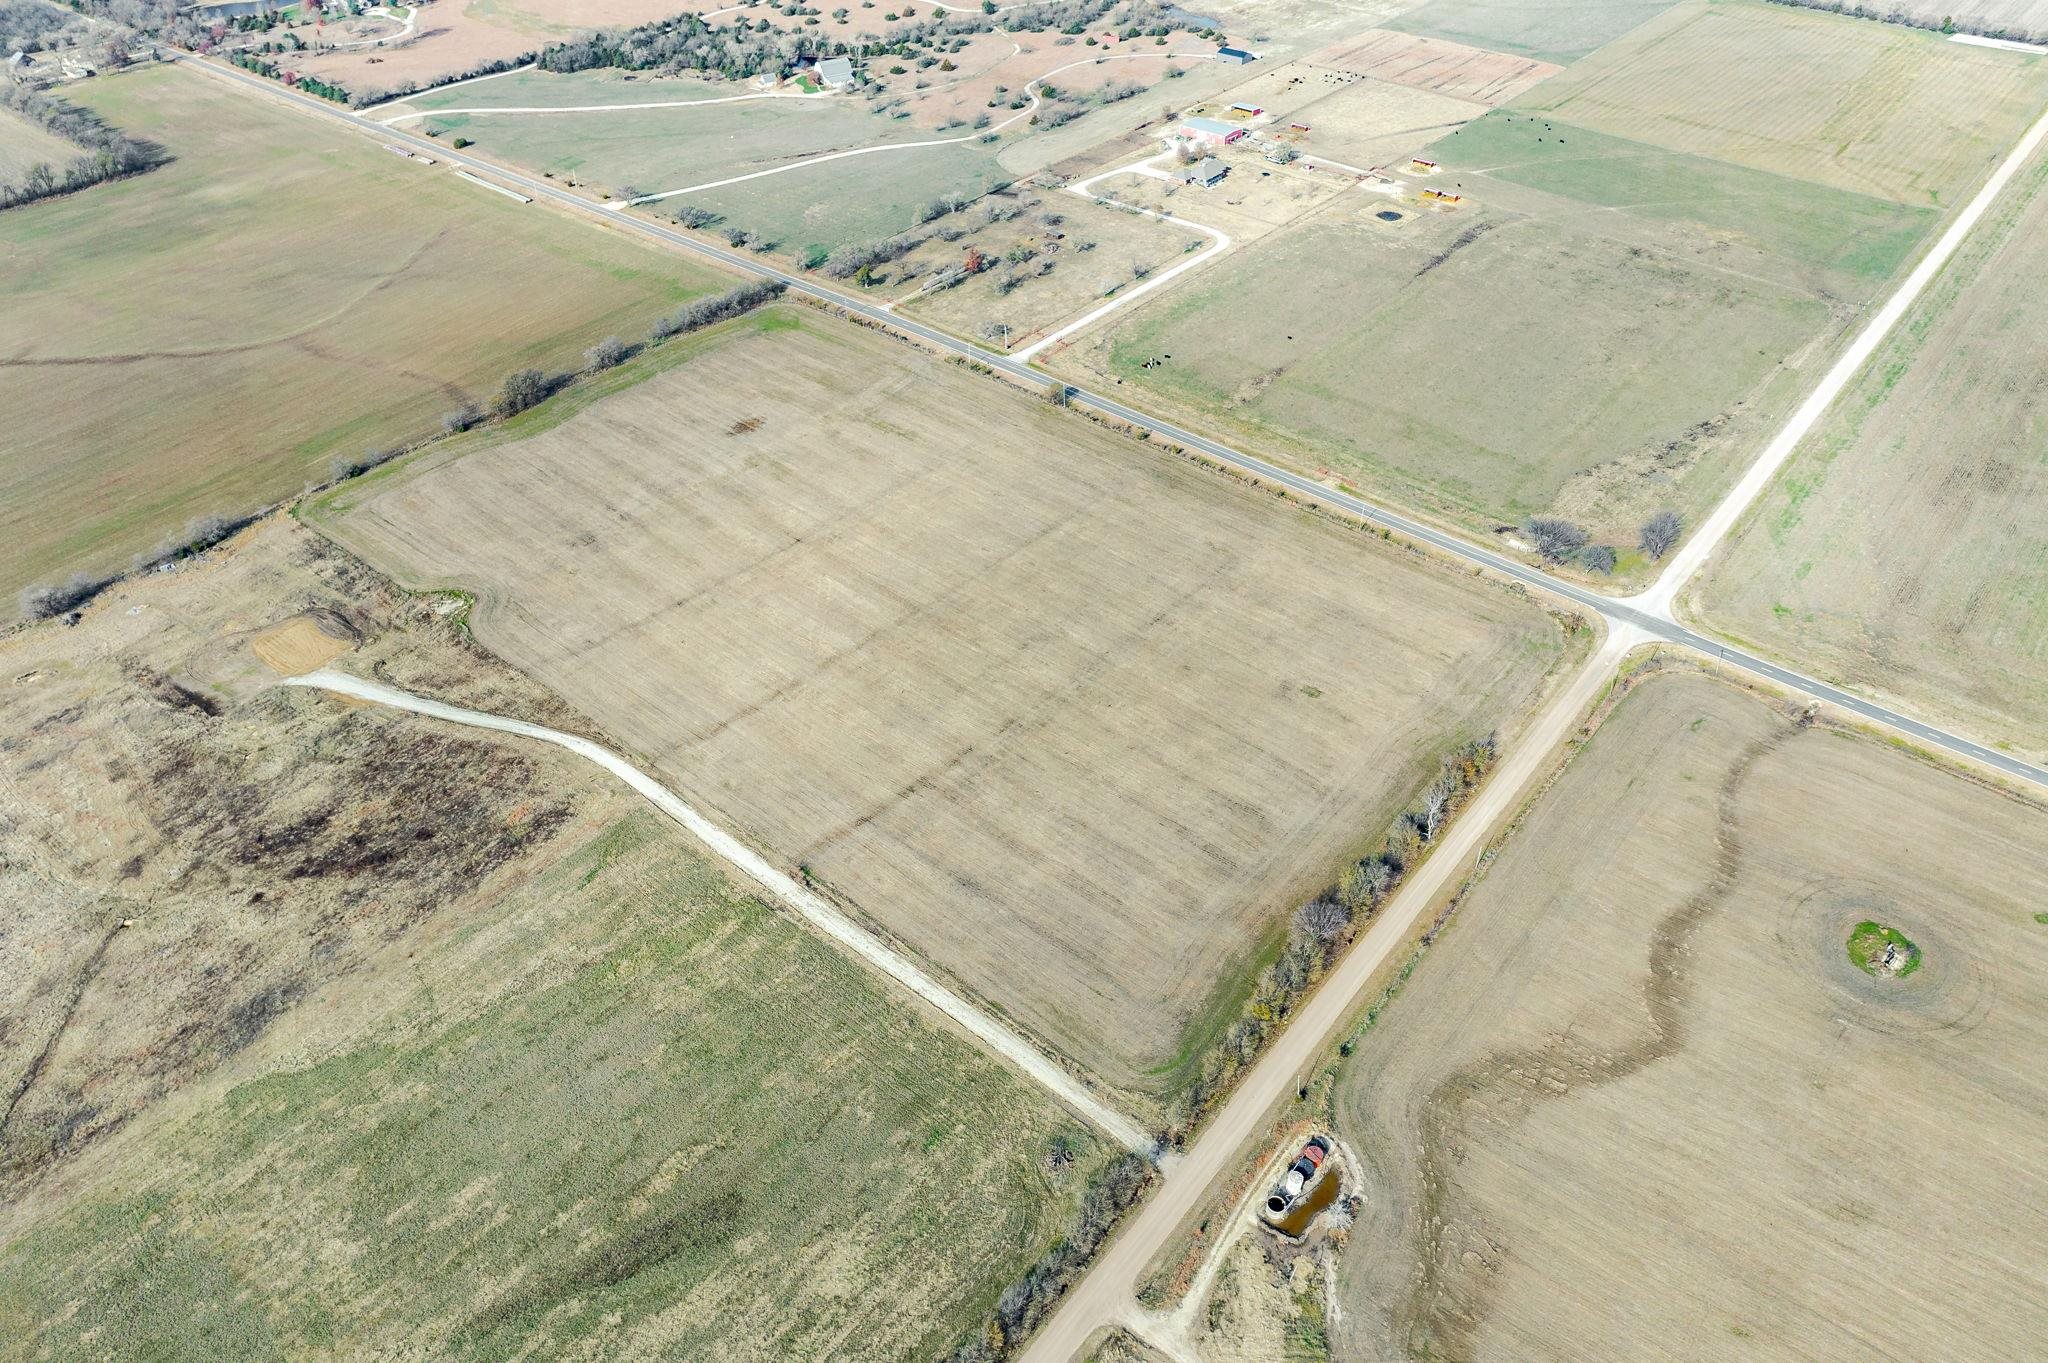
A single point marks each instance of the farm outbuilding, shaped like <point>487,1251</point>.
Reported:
<point>1211,131</point>
<point>1236,56</point>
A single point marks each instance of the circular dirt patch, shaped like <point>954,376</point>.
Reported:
<point>1947,986</point>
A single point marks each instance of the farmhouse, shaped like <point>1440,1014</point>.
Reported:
<point>1236,56</point>
<point>1212,132</point>
<point>1204,172</point>
<point>835,73</point>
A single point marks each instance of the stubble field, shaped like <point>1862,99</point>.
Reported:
<point>1546,30</point>
<point>420,1041</point>
<point>1601,328</point>
<point>1640,1102</point>
<point>1076,719</point>
<point>213,335</point>
<point>1901,550</point>
<point>1878,109</point>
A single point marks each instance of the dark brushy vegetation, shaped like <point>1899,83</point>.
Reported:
<point>109,152</point>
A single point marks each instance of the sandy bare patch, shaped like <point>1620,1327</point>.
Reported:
<point>303,643</point>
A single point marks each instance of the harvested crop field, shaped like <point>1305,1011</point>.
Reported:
<point>171,351</point>
<point>1872,108</point>
<point>1640,1103</point>
<point>1548,30</point>
<point>421,1040</point>
<point>937,679</point>
<point>1436,65</point>
<point>1899,552</point>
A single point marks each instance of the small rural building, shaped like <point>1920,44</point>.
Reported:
<point>1236,56</point>
<point>1204,172</point>
<point>1212,132</point>
<point>1243,111</point>
<point>1423,166</point>
<point>767,80</point>
<point>835,73</point>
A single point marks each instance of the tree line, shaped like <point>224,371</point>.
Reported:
<point>1027,1301</point>
<point>745,48</point>
<point>1321,928</point>
<point>109,152</point>
<point>522,389</point>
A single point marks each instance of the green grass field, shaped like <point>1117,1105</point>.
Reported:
<point>208,337</point>
<point>628,1113</point>
<point>1480,367</point>
<point>644,151</point>
<point>1854,241</point>
<point>1901,551</point>
<point>1874,108</point>
<point>1548,30</point>
<point>23,144</point>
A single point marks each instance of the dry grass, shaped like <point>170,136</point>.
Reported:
<point>208,337</point>
<point>263,842</point>
<point>1639,1103</point>
<point>1900,550</point>
<point>1092,249</point>
<point>1075,719</point>
<point>426,1043</point>
<point>1874,108</point>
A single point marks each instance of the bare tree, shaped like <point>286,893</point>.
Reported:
<point>1435,807</point>
<point>1659,533</point>
<point>1321,920</point>
<point>462,418</point>
<point>689,215</point>
<point>1598,557</point>
<point>523,388</point>
<point>1057,393</point>
<point>1555,538</point>
<point>606,353</point>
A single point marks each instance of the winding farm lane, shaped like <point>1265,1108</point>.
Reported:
<point>1026,1058</point>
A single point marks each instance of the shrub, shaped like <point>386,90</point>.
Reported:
<point>702,312</point>
<point>605,354</point>
<point>523,388</point>
<point>1659,533</point>
<point>1555,538</point>
<point>462,418</point>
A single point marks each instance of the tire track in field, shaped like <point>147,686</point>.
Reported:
<point>240,347</point>
<point>1449,1298</point>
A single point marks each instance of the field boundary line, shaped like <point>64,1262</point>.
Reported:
<point>1029,110</point>
<point>1106,1292</point>
<point>1661,596</point>
<point>599,108</point>
<point>1006,1044</point>
<point>480,180</point>
<point>368,109</point>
